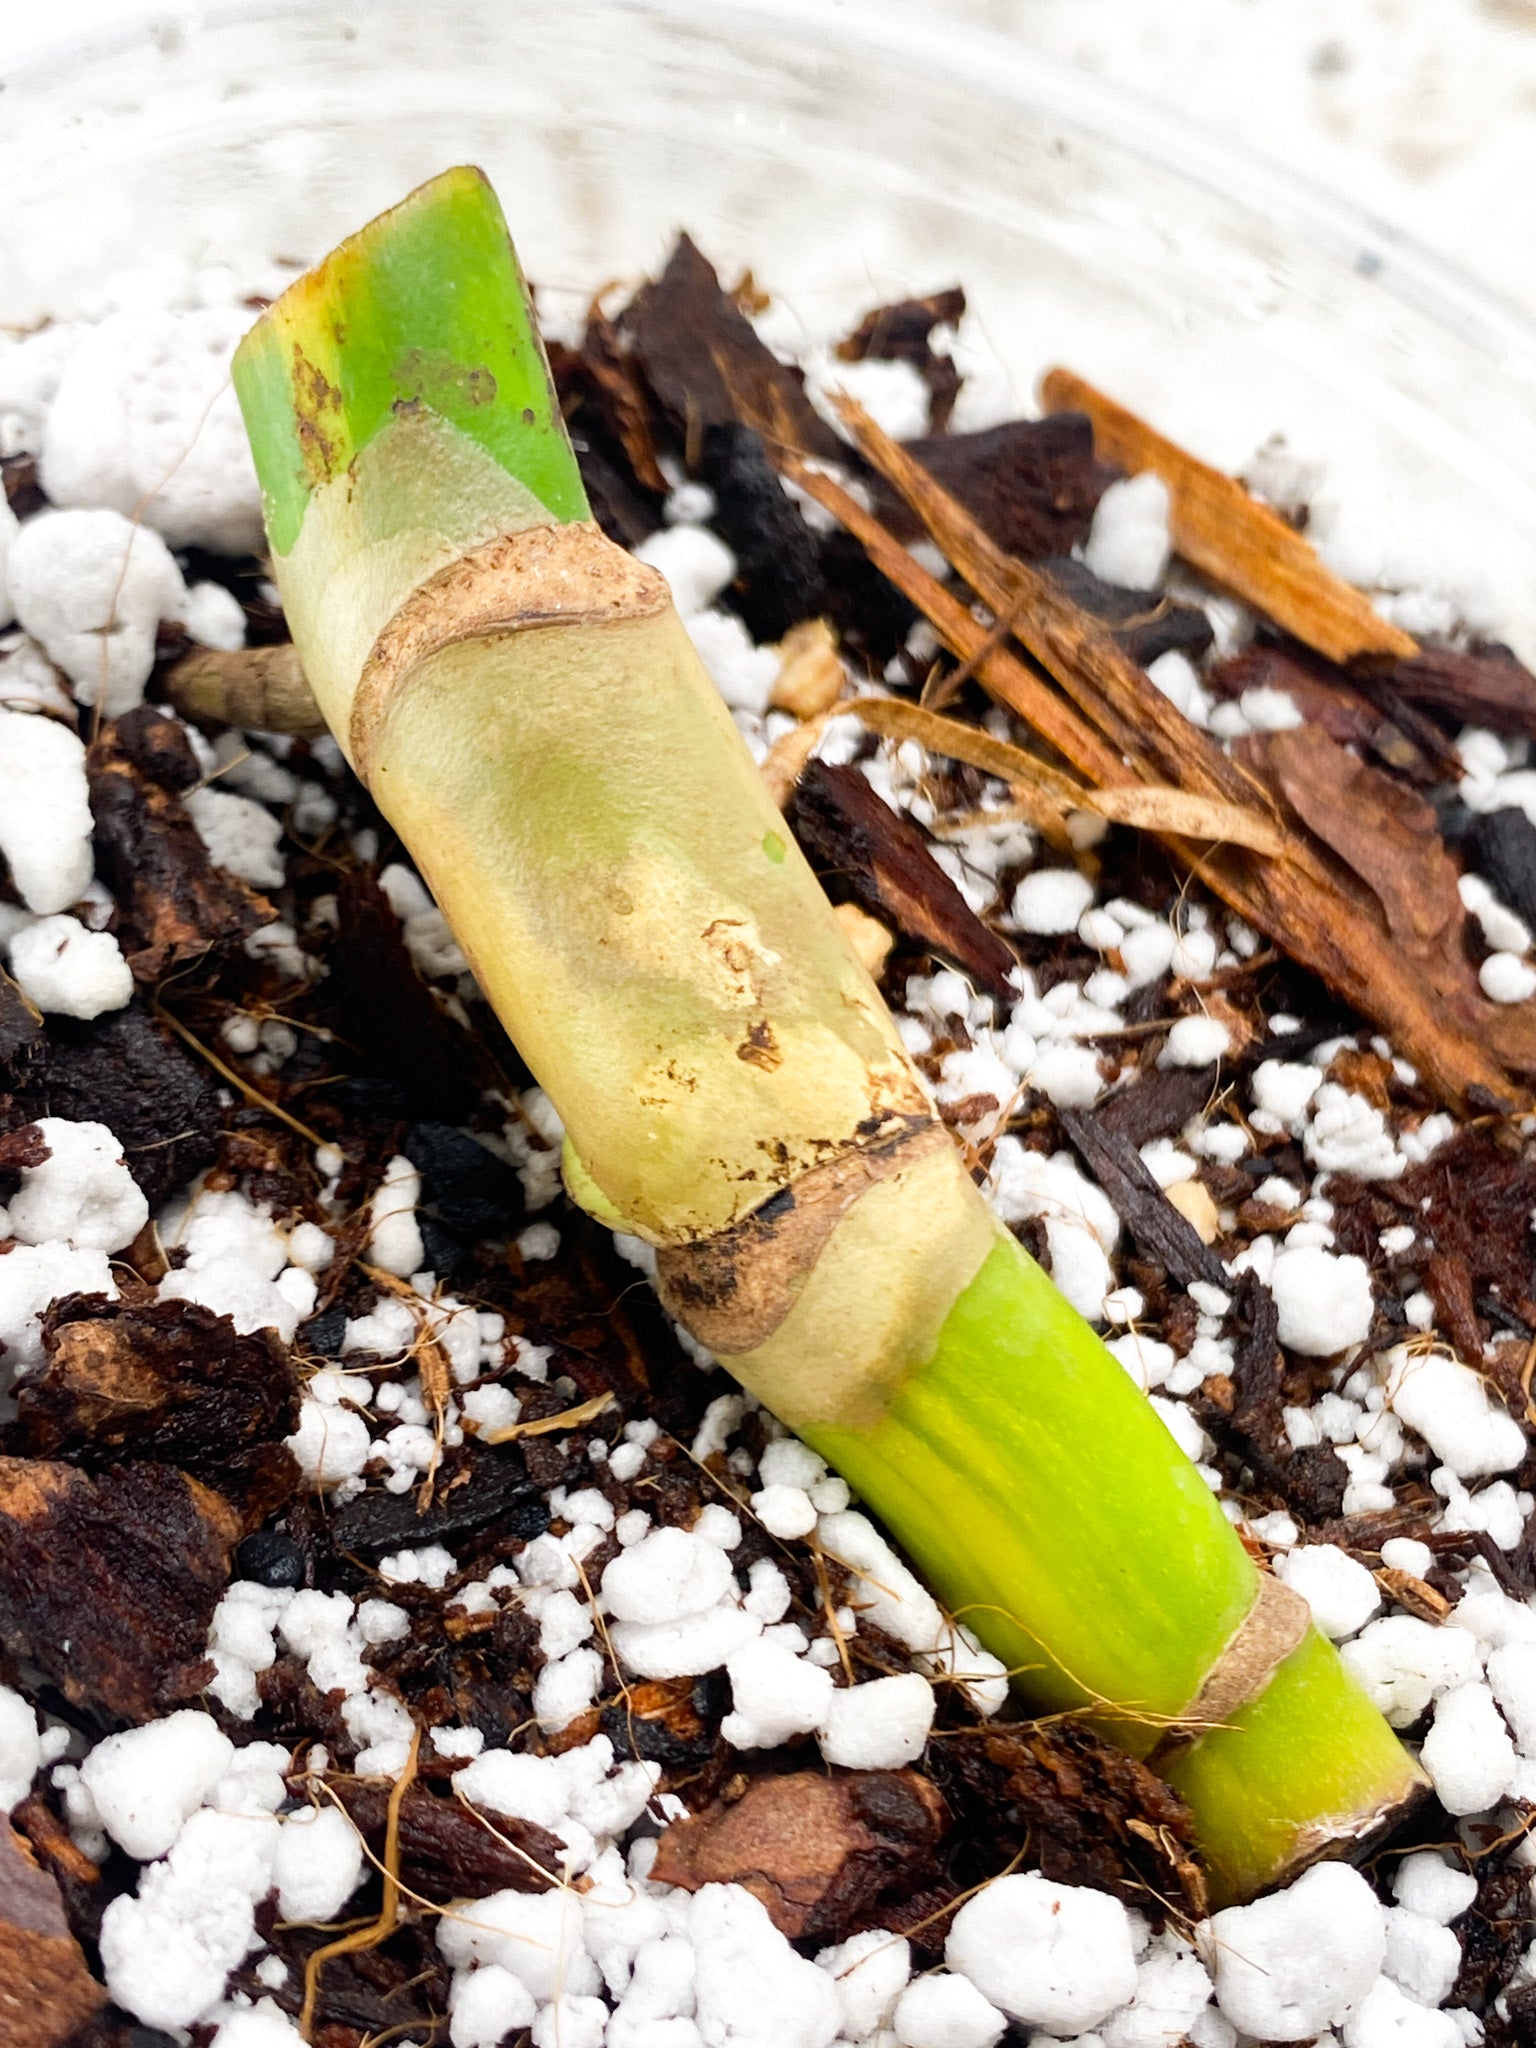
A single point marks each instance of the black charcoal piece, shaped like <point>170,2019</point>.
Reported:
<point>1145,622</point>
<point>125,1071</point>
<point>465,1186</point>
<point>475,1489</point>
<point>1501,845</point>
<point>778,568</point>
<point>443,1251</point>
<point>323,1333</point>
<point>271,1559</point>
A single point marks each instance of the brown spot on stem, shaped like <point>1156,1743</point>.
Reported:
<point>317,415</point>
<point>760,1048</point>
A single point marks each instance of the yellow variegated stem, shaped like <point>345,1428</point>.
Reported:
<point>526,708</point>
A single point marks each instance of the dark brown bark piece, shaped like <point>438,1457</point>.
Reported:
<point>1387,837</point>
<point>673,1722</point>
<point>1352,710</point>
<point>158,747</point>
<point>1472,1201</point>
<point>108,1583</point>
<point>23,1147</point>
<point>818,1851</point>
<point>702,358</point>
<point>903,333</point>
<point>778,580</point>
<point>1156,1104</point>
<point>1387,834</point>
<point>380,1003</point>
<point>608,413</point>
<point>1158,1228</point>
<point>619,395</point>
<point>477,1488</point>
<point>623,512</point>
<point>167,1381</point>
<point>1089,1813</point>
<point>46,1992</point>
<point>1476,686</point>
<point>1031,484</point>
<point>1448,1280</point>
<point>49,1843</point>
<point>126,1071</point>
<point>1493,1933</point>
<point>448,1850</point>
<point>21,1033</point>
<point>865,853</point>
<point>1311,1482</point>
<point>18,477</point>
<point>396,1992</point>
<point>174,903</point>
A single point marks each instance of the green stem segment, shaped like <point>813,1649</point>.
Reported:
<point>1079,1534</point>
<point>528,712</point>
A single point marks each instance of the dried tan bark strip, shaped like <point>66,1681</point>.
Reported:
<point>1231,537</point>
<point>899,718</point>
<point>1076,650</point>
<point>1041,794</point>
<point>1002,674</point>
<point>546,1425</point>
<point>1155,807</point>
<point>1160,809</point>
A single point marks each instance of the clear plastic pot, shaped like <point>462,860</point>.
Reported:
<point>845,151</point>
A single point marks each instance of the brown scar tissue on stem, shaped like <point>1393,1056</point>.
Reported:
<point>760,1048</point>
<point>570,575</point>
<point>733,1289</point>
<point>315,397</point>
<point>1272,1628</point>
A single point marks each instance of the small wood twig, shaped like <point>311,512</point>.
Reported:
<point>1232,538</point>
<point>829,1608</point>
<point>940,691</point>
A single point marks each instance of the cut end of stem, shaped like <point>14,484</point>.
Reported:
<point>425,309</point>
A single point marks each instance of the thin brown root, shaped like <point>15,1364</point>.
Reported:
<point>252,1095</point>
<point>824,1587</point>
<point>389,1906</point>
